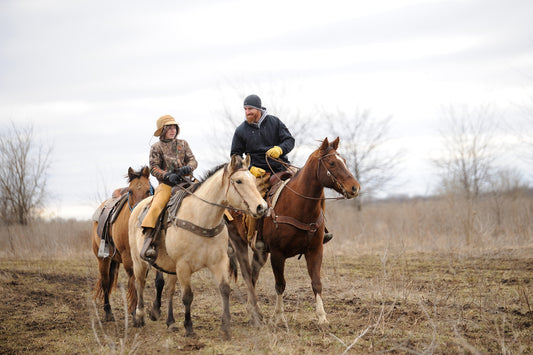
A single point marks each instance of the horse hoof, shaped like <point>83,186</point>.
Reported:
<point>109,317</point>
<point>155,315</point>
<point>138,323</point>
<point>226,335</point>
<point>190,334</point>
<point>173,328</point>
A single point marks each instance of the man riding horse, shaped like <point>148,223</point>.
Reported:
<point>263,136</point>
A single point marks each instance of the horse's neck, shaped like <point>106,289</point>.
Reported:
<point>205,205</point>
<point>306,184</point>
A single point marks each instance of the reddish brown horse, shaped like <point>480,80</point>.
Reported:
<point>295,227</point>
<point>138,189</point>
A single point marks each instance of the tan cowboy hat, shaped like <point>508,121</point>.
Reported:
<point>162,121</point>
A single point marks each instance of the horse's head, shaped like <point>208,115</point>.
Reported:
<point>333,172</point>
<point>242,192</point>
<point>139,187</point>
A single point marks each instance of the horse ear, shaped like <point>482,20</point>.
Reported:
<point>325,144</point>
<point>247,161</point>
<point>131,172</point>
<point>146,171</point>
<point>234,163</point>
<point>335,143</point>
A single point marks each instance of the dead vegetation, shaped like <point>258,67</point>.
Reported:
<point>398,277</point>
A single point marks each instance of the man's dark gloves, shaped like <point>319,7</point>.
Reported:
<point>184,170</point>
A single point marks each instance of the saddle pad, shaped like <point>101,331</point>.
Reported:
<point>275,191</point>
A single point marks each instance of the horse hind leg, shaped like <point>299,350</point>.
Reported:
<point>104,286</point>
<point>170,288</point>
<point>155,312</point>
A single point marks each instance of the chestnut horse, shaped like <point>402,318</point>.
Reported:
<point>295,226</point>
<point>197,238</point>
<point>138,189</point>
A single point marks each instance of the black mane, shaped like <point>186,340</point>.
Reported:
<point>207,175</point>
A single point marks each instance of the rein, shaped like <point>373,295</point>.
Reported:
<point>217,204</point>
<point>333,178</point>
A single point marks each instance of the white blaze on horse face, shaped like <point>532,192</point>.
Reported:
<point>339,158</point>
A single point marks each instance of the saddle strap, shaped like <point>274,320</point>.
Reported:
<point>310,227</point>
<point>201,231</point>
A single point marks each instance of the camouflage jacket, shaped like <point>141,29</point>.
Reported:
<point>168,156</point>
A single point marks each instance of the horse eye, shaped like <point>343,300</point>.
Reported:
<point>331,163</point>
<point>238,181</point>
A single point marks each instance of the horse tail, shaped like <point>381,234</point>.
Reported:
<point>98,290</point>
<point>132,294</point>
<point>233,267</point>
<point>113,275</point>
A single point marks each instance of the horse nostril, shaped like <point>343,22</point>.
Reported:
<point>260,209</point>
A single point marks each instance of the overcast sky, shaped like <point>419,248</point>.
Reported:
<point>93,76</point>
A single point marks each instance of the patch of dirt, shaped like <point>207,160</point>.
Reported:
<point>415,303</point>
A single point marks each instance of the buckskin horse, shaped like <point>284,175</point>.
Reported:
<point>112,218</point>
<point>197,238</point>
<point>295,226</point>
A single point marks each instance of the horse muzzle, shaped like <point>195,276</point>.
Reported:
<point>353,192</point>
<point>260,210</point>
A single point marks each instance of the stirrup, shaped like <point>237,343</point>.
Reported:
<point>147,247</point>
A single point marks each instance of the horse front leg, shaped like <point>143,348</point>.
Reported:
<point>313,259</point>
<point>140,282</point>
<point>256,317</point>
<point>170,288</point>
<point>278,267</point>
<point>184,278</point>
<point>155,312</point>
<point>220,271</point>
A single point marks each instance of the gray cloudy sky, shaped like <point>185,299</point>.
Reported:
<point>93,76</point>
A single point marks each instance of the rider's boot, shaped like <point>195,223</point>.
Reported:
<point>148,251</point>
<point>327,236</point>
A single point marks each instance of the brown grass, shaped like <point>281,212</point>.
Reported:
<point>398,277</point>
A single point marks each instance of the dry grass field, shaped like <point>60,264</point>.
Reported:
<point>408,277</point>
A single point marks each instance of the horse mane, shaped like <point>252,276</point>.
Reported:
<point>207,175</point>
<point>136,174</point>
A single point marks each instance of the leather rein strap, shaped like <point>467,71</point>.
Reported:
<point>201,231</point>
<point>310,227</point>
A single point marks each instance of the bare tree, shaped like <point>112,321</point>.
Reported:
<point>24,165</point>
<point>364,139</point>
<point>469,149</point>
<point>468,160</point>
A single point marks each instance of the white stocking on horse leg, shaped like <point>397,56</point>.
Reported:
<point>279,315</point>
<point>320,312</point>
